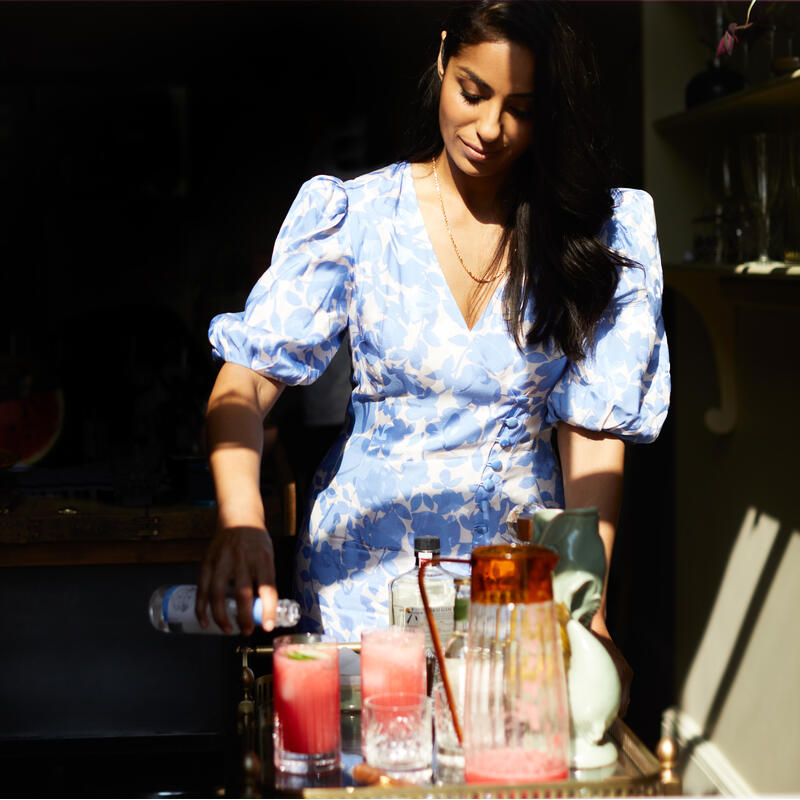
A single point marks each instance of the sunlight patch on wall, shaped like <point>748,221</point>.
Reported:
<point>753,545</point>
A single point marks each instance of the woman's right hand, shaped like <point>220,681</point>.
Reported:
<point>242,555</point>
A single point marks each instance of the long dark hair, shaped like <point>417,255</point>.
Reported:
<point>562,190</point>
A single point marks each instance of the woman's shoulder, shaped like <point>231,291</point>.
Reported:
<point>377,183</point>
<point>631,231</point>
<point>626,199</point>
<point>358,191</point>
<point>632,222</point>
<point>632,206</point>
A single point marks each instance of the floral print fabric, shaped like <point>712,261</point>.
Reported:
<point>449,428</point>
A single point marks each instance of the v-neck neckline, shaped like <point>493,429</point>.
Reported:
<point>435,264</point>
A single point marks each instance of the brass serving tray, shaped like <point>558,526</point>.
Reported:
<point>637,773</point>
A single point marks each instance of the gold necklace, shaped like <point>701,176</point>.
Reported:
<point>466,269</point>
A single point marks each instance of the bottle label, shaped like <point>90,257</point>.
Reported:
<point>414,617</point>
<point>178,608</point>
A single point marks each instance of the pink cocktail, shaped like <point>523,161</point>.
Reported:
<point>393,661</point>
<point>306,703</point>
<point>513,765</point>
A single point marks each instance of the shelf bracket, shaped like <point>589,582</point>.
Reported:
<point>702,290</point>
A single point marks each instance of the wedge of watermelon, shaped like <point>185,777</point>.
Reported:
<point>30,425</point>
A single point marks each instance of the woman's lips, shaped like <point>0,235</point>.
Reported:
<point>476,154</point>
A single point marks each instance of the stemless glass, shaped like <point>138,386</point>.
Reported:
<point>307,733</point>
<point>449,753</point>
<point>398,734</point>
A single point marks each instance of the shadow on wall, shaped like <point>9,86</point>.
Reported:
<point>748,655</point>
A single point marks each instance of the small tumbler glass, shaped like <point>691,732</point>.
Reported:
<point>307,732</point>
<point>449,753</point>
<point>398,735</point>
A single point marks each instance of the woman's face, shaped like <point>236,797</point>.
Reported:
<point>486,106</point>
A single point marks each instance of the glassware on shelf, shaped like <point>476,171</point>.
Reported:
<point>727,212</point>
<point>760,160</point>
<point>791,204</point>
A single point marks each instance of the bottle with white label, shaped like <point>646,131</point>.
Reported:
<point>171,610</point>
<point>406,609</point>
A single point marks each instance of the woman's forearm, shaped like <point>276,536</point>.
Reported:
<point>592,467</point>
<point>237,406</point>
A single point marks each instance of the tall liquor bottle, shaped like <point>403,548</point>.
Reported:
<point>406,609</point>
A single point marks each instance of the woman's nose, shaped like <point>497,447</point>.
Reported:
<point>489,123</point>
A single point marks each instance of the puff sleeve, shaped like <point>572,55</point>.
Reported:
<point>622,386</point>
<point>297,313</point>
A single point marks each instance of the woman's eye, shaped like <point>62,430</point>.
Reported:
<point>521,113</point>
<point>472,99</point>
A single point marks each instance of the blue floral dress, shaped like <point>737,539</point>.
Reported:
<point>449,428</point>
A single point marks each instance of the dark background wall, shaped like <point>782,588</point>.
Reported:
<point>148,154</point>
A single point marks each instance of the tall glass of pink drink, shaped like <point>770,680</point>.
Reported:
<point>393,660</point>
<point>307,732</point>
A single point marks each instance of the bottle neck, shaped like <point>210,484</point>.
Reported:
<point>424,555</point>
<point>461,614</point>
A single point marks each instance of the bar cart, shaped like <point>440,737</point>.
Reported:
<point>637,773</point>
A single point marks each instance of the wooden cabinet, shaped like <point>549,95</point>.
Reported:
<point>715,289</point>
<point>37,529</point>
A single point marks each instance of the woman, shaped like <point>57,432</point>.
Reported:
<point>501,302</point>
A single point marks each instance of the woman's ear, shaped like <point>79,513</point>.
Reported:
<point>440,59</point>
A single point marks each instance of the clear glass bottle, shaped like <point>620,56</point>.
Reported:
<point>171,610</point>
<point>455,653</point>
<point>405,607</point>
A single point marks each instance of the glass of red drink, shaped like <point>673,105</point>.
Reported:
<point>393,660</point>
<point>307,732</point>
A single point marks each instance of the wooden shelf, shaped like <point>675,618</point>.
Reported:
<point>748,271</point>
<point>760,106</point>
<point>740,285</point>
<point>41,530</point>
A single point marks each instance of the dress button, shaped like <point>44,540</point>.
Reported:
<point>512,423</point>
<point>496,464</point>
